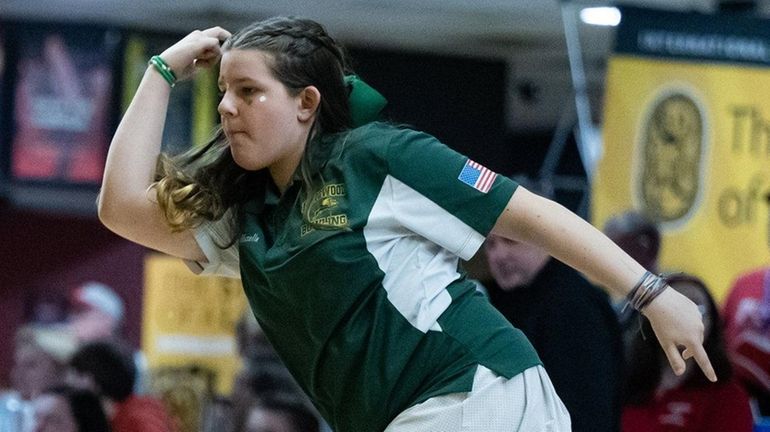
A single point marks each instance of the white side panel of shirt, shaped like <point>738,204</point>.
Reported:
<point>416,244</point>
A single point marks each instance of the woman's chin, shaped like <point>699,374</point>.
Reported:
<point>245,162</point>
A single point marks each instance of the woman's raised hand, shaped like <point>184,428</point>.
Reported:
<point>199,49</point>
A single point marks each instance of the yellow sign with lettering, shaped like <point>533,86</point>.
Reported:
<point>189,321</point>
<point>688,144</point>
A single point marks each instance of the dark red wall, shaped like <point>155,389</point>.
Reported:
<point>45,256</point>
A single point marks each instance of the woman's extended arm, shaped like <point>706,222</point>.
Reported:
<point>572,240</point>
<point>126,206</point>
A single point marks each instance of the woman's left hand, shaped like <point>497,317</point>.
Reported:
<point>678,324</point>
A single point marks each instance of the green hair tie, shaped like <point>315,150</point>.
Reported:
<point>366,103</point>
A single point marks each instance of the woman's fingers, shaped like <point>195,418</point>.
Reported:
<point>204,63</point>
<point>697,352</point>
<point>207,58</point>
<point>217,32</point>
<point>677,323</point>
<point>200,48</point>
<point>704,363</point>
<point>674,358</point>
<point>214,36</point>
<point>687,354</point>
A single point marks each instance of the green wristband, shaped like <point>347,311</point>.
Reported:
<point>163,68</point>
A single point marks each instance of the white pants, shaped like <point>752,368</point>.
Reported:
<point>526,403</point>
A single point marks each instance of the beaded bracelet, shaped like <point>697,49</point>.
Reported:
<point>163,68</point>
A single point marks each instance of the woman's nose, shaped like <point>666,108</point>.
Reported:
<point>226,107</point>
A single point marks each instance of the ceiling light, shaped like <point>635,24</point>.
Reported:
<point>603,16</point>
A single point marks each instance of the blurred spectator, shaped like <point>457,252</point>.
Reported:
<point>217,415</point>
<point>97,313</point>
<point>747,333</point>
<point>40,356</point>
<point>107,369</point>
<point>45,309</point>
<point>187,392</point>
<point>65,409</point>
<point>570,322</point>
<point>16,414</point>
<point>255,384</point>
<point>637,235</point>
<point>253,346</point>
<point>40,359</point>
<point>258,359</point>
<point>276,414</point>
<point>658,400</point>
<point>263,377</point>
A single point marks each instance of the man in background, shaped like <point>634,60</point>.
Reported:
<point>96,314</point>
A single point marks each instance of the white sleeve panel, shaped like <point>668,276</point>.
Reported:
<point>220,262</point>
<point>426,218</point>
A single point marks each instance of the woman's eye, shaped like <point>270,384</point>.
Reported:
<point>248,91</point>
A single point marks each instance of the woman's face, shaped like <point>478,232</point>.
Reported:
<point>264,420</point>
<point>53,414</point>
<point>33,371</point>
<point>263,122</point>
<point>511,263</point>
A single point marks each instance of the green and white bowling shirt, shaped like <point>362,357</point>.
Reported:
<point>371,314</point>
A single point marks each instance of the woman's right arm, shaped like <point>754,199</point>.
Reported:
<point>567,237</point>
<point>126,205</point>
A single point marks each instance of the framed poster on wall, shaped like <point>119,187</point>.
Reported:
<point>63,106</point>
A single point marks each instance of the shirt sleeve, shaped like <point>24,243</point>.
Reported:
<point>219,262</point>
<point>442,195</point>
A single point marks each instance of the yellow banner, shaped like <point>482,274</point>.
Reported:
<point>688,144</point>
<point>189,321</point>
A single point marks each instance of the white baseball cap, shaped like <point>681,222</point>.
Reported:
<point>96,295</point>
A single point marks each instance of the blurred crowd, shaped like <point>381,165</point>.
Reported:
<point>74,372</point>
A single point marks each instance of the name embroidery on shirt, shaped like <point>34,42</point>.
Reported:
<point>324,209</point>
<point>249,238</point>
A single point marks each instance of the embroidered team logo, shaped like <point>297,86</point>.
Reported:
<point>477,176</point>
<point>670,158</point>
<point>323,209</point>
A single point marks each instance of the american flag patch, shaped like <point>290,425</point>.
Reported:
<point>477,176</point>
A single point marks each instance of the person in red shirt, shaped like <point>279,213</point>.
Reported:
<point>747,333</point>
<point>108,369</point>
<point>657,400</point>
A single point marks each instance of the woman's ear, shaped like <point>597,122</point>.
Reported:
<point>309,99</point>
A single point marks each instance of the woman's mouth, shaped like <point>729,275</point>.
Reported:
<point>232,133</point>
